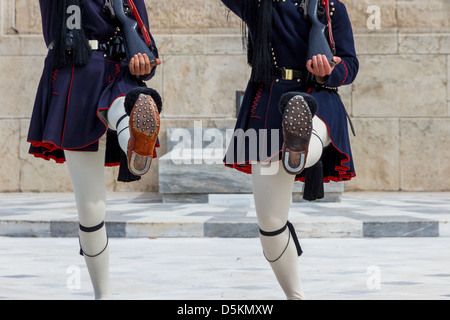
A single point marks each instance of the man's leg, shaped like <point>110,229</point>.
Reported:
<point>87,174</point>
<point>272,189</point>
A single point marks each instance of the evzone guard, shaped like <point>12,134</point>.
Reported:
<point>293,108</point>
<point>93,109</point>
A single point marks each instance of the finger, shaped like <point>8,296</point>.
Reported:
<point>142,62</point>
<point>309,66</point>
<point>147,67</point>
<point>158,62</point>
<point>337,60</point>
<point>320,68</point>
<point>314,63</point>
<point>131,67</point>
<point>141,68</point>
<point>327,69</point>
<point>136,64</point>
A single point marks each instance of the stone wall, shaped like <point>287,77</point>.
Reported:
<point>400,103</point>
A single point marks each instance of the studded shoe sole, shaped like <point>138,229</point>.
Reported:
<point>297,130</point>
<point>144,129</point>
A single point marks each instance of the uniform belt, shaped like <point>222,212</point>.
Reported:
<point>289,74</point>
<point>94,44</point>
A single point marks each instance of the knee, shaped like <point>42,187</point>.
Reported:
<point>273,240</point>
<point>91,213</point>
<point>315,151</point>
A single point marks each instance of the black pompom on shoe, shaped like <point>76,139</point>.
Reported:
<point>310,100</point>
<point>133,95</point>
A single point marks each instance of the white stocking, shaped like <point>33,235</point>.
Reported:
<point>87,174</point>
<point>319,139</point>
<point>115,114</point>
<point>272,190</point>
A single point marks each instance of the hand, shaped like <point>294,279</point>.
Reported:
<point>140,65</point>
<point>320,67</point>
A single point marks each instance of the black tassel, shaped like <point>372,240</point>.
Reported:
<point>314,189</point>
<point>259,53</point>
<point>65,39</point>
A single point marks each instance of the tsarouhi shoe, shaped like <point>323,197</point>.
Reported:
<point>297,109</point>
<point>143,105</point>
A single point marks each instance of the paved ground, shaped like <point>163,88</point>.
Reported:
<point>228,269</point>
<point>136,215</point>
<point>368,246</point>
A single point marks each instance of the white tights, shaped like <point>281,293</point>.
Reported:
<point>86,171</point>
<point>272,190</point>
<point>115,113</point>
<point>88,180</point>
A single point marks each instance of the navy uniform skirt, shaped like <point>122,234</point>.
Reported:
<point>68,107</point>
<point>258,133</point>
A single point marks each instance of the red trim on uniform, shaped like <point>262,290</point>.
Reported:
<point>246,168</point>
<point>109,165</point>
<point>54,75</point>
<point>255,102</point>
<point>268,104</point>
<point>116,72</point>
<point>343,175</point>
<point>346,73</point>
<point>48,158</point>
<point>144,31</point>
<point>67,105</point>
<point>50,146</point>
<point>263,152</point>
<point>342,169</point>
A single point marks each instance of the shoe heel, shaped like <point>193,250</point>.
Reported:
<point>140,172</point>
<point>301,155</point>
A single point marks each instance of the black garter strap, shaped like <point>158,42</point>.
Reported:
<point>274,233</point>
<point>90,230</point>
<point>292,234</point>
<point>314,132</point>
<point>120,120</point>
